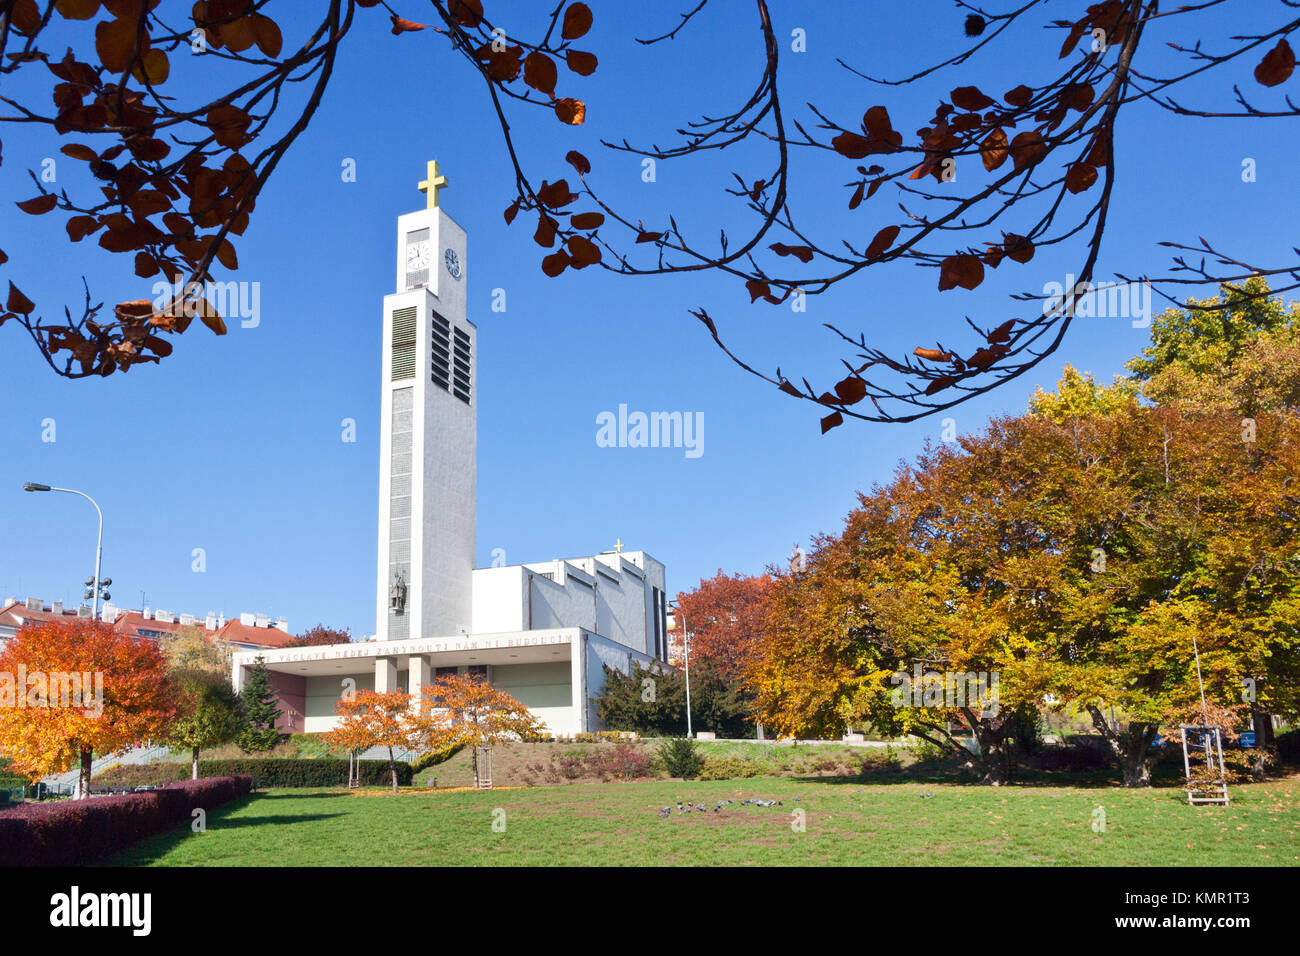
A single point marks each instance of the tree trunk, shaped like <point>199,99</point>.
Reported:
<point>194,764</point>
<point>1262,724</point>
<point>994,759</point>
<point>392,768</point>
<point>83,780</point>
<point>475,757</point>
<point>1131,749</point>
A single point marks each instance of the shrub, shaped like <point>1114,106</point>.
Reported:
<point>1288,747</point>
<point>78,832</point>
<point>622,762</point>
<point>291,772</point>
<point>730,768</point>
<point>680,758</point>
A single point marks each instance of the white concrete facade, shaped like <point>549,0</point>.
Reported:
<point>427,454</point>
<point>542,632</point>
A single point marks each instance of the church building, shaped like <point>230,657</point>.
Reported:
<point>540,632</point>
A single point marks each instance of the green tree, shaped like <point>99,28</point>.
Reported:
<point>212,714</point>
<point>259,733</point>
<point>646,700</point>
<point>192,649</point>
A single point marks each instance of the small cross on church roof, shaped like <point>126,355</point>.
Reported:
<point>433,183</point>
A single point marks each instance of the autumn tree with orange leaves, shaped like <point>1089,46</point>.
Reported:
<point>371,718</point>
<point>174,174</point>
<point>70,690</point>
<point>464,709</point>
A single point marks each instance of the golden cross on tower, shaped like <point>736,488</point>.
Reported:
<point>618,546</point>
<point>433,183</point>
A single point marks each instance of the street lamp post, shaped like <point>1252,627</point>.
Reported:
<point>686,652</point>
<point>99,543</point>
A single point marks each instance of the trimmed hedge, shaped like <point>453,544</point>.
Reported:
<point>297,772</point>
<point>79,832</point>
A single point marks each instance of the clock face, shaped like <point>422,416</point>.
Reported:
<point>453,263</point>
<point>417,256</point>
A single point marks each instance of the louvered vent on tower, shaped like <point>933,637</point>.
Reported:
<point>440,361</point>
<point>460,381</point>
<point>404,343</point>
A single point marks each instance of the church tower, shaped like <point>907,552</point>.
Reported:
<point>427,449</point>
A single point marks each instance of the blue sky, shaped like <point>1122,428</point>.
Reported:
<point>234,444</point>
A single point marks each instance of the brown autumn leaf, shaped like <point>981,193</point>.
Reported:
<point>757,289</point>
<point>79,227</point>
<point>1079,177</point>
<point>578,162</point>
<point>878,125</point>
<point>229,124</point>
<point>226,255</point>
<point>584,64</point>
<point>881,243</point>
<point>1020,96</point>
<point>583,252</point>
<point>970,98</point>
<point>405,26</point>
<point>555,263</point>
<point>649,236</point>
<point>985,357</point>
<point>1077,96</point>
<point>1002,333</point>
<point>17,302</point>
<point>114,43</point>
<point>577,21</point>
<point>1027,148</point>
<point>25,17</point>
<point>152,68</point>
<point>145,265</point>
<point>238,35</point>
<point>267,36</point>
<point>556,194</point>
<point>587,220</point>
<point>545,234</point>
<point>1277,65</point>
<point>539,73</point>
<point>504,66</point>
<point>468,13</point>
<point>939,384</point>
<point>1018,248</point>
<point>78,151</point>
<point>1076,32</point>
<point>851,145</point>
<point>993,150</point>
<point>571,111</point>
<point>1098,151</point>
<point>802,253</point>
<point>511,211</point>
<point>963,270</point>
<point>833,420</point>
<point>38,205</point>
<point>851,390</point>
<point>931,355</point>
<point>135,309</point>
<point>77,9</point>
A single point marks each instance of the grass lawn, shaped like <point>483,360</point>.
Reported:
<point>846,822</point>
